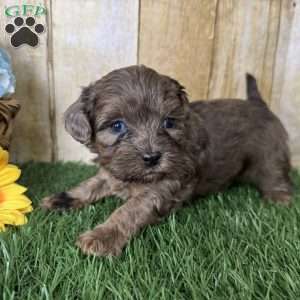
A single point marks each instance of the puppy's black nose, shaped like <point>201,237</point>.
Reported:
<point>151,159</point>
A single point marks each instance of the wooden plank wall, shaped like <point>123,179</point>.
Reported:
<point>208,45</point>
<point>32,139</point>
<point>94,39</point>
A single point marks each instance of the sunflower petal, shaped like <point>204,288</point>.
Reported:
<point>26,209</point>
<point>13,189</point>
<point>13,203</point>
<point>19,202</point>
<point>3,159</point>
<point>9,175</point>
<point>12,217</point>
<point>2,227</point>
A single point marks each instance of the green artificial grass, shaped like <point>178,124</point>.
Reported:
<point>229,246</point>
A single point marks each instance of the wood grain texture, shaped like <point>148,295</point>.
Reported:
<point>245,41</point>
<point>176,38</point>
<point>286,85</point>
<point>32,137</point>
<point>208,45</point>
<point>88,42</point>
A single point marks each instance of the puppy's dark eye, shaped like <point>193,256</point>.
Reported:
<point>118,127</point>
<point>168,123</point>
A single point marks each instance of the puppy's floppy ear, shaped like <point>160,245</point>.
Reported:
<point>181,93</point>
<point>76,119</point>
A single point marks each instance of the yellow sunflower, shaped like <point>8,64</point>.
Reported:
<point>13,203</point>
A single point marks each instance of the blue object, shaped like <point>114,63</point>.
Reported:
<point>7,78</point>
<point>119,127</point>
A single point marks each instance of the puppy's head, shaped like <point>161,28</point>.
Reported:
<point>135,119</point>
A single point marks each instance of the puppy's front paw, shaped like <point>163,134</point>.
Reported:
<point>102,241</point>
<point>60,201</point>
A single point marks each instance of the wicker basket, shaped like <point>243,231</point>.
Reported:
<point>9,107</point>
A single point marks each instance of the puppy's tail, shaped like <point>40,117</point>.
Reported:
<point>253,93</point>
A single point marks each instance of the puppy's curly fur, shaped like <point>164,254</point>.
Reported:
<point>157,150</point>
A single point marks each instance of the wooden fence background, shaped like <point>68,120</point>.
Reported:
<point>208,45</point>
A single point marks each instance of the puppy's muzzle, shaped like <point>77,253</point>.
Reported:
<point>151,159</point>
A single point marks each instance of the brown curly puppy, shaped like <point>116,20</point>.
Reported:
<point>157,151</point>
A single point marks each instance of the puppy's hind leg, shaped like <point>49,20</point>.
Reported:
<point>272,179</point>
<point>87,192</point>
<point>277,188</point>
